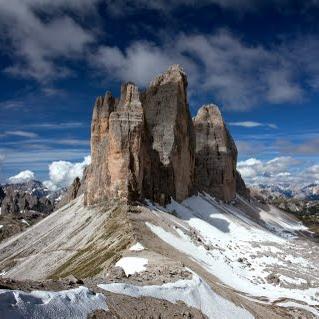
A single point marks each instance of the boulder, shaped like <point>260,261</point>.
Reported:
<point>216,154</point>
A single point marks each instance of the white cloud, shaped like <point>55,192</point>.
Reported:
<point>313,172</point>
<point>62,173</point>
<point>257,171</point>
<point>22,177</point>
<point>250,124</point>
<point>139,63</point>
<point>239,75</point>
<point>36,43</point>
<point>20,134</point>
<point>284,169</point>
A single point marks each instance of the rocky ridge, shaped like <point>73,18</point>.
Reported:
<point>24,204</point>
<point>146,145</point>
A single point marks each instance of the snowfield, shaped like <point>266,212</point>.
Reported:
<point>195,293</point>
<point>132,265</point>
<point>74,303</point>
<point>260,257</point>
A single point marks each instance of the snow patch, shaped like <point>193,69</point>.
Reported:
<point>25,222</point>
<point>132,265</point>
<point>242,251</point>
<point>195,293</point>
<point>73,303</point>
<point>137,247</point>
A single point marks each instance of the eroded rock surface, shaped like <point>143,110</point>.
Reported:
<point>19,201</point>
<point>117,146</point>
<point>145,145</point>
<point>241,188</point>
<point>172,137</point>
<point>216,154</point>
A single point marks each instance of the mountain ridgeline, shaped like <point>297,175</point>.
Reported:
<point>146,145</point>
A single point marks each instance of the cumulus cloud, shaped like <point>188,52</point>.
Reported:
<point>22,177</point>
<point>62,173</point>
<point>250,124</point>
<point>279,170</point>
<point>276,170</point>
<point>37,43</point>
<point>142,60</point>
<point>239,75</point>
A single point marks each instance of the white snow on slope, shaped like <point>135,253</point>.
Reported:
<point>25,222</point>
<point>242,252</point>
<point>1,226</point>
<point>73,303</point>
<point>195,293</point>
<point>132,265</point>
<point>137,247</point>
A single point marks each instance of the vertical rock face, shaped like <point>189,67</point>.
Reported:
<point>116,146</point>
<point>241,188</point>
<point>145,145</point>
<point>2,194</point>
<point>100,120</point>
<point>173,141</point>
<point>216,154</point>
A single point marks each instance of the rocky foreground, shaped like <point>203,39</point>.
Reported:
<point>160,226</point>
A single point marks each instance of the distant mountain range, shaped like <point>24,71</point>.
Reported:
<point>303,192</point>
<point>302,200</point>
<point>35,188</point>
<point>24,204</point>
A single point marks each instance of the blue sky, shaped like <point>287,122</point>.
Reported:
<point>257,60</point>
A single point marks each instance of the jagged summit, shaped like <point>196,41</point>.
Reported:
<point>145,145</point>
<point>174,73</point>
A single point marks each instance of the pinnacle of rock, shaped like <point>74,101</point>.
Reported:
<point>145,145</point>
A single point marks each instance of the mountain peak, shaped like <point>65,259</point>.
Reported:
<point>147,146</point>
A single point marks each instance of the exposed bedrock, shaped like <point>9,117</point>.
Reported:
<point>145,145</point>
<point>216,154</point>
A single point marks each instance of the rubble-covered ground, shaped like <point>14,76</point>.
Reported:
<point>197,259</point>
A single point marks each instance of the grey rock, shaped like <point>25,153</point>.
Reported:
<point>216,154</point>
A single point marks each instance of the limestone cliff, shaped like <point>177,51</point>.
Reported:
<point>169,124</point>
<point>216,154</point>
<point>145,145</point>
<point>116,146</point>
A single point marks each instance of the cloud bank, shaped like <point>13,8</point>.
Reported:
<point>240,75</point>
<point>62,173</point>
<point>284,169</point>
